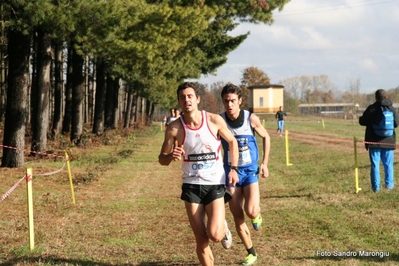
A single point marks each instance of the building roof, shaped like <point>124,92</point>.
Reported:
<point>265,86</point>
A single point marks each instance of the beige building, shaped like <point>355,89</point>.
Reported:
<point>265,98</point>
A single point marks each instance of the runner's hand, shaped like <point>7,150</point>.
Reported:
<point>233,177</point>
<point>264,171</point>
<point>178,152</point>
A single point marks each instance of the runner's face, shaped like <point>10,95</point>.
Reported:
<point>188,101</point>
<point>232,104</point>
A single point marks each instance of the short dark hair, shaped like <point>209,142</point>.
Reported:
<point>380,94</point>
<point>186,85</point>
<point>231,88</point>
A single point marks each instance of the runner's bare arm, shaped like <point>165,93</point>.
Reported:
<point>169,150</point>
<point>262,132</point>
<point>225,133</point>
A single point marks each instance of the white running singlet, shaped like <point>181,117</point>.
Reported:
<point>202,163</point>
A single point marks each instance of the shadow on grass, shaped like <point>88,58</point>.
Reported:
<point>59,261</point>
<point>391,258</point>
<point>308,195</point>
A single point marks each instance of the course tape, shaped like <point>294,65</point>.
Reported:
<point>54,172</point>
<point>16,184</point>
<point>3,197</point>
<point>351,141</point>
<point>11,189</point>
<point>380,143</point>
<point>36,152</point>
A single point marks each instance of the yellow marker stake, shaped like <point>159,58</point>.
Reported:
<point>322,121</point>
<point>70,177</point>
<point>30,208</point>
<point>287,153</point>
<point>356,168</point>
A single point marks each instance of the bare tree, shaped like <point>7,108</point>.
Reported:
<point>354,88</point>
<point>305,83</point>
<point>292,85</point>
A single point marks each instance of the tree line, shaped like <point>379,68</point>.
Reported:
<point>65,63</point>
<point>320,89</point>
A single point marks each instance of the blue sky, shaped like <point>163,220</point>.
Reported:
<point>346,40</point>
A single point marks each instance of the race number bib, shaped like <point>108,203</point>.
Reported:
<point>244,156</point>
<point>202,165</point>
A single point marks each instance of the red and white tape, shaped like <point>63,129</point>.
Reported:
<point>36,152</point>
<point>11,189</point>
<point>3,197</point>
<point>380,143</point>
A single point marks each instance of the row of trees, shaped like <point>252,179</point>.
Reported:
<point>65,63</point>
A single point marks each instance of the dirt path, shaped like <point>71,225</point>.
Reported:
<point>325,141</point>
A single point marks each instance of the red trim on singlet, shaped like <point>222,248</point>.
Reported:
<point>203,115</point>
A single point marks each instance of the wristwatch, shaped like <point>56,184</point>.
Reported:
<point>235,168</point>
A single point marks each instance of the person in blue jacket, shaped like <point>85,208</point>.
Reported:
<point>380,119</point>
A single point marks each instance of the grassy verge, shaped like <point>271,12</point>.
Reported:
<point>128,210</point>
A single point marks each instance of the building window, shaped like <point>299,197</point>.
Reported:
<point>260,101</point>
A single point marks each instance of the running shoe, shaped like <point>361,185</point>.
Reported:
<point>257,222</point>
<point>250,259</point>
<point>228,238</point>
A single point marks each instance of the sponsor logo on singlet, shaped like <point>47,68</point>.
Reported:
<point>202,157</point>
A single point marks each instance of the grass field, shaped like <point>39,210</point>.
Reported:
<point>128,210</point>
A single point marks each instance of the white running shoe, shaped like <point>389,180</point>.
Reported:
<point>228,238</point>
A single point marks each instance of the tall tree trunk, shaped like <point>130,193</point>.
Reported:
<point>122,103</point>
<point>115,104</point>
<point>98,123</point>
<point>17,98</point>
<point>33,90</point>
<point>92,90</point>
<point>40,115</point>
<point>77,98</point>
<point>3,75</point>
<point>133,114</point>
<point>149,110</point>
<point>143,109</point>
<point>58,88</point>
<point>109,100</point>
<point>128,111</point>
<point>138,109</point>
<point>150,115</point>
<point>66,125</point>
<point>86,90</point>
